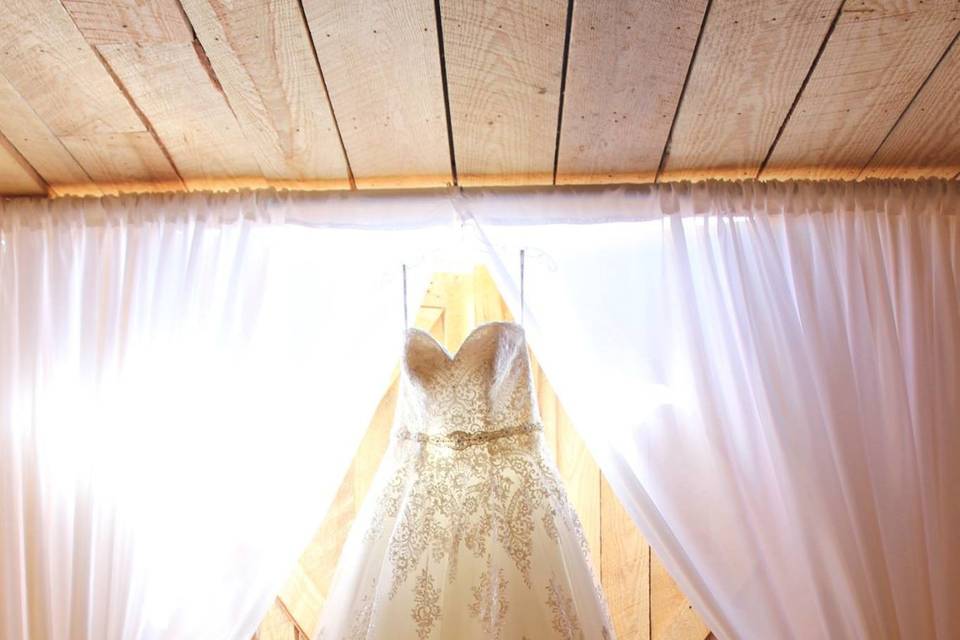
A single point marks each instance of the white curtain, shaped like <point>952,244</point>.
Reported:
<point>767,374</point>
<point>183,382</point>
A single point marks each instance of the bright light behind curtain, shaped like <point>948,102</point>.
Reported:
<point>769,376</point>
<point>183,382</point>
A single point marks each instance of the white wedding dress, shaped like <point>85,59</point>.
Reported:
<point>468,532</point>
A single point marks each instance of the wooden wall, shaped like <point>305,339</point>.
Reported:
<point>644,600</point>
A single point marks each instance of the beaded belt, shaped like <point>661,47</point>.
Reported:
<point>460,440</point>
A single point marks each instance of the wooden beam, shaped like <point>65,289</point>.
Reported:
<point>262,56</point>
<point>627,63</point>
<point>926,140</point>
<point>752,59</point>
<point>381,62</point>
<point>17,177</point>
<point>186,107</point>
<point>129,21</point>
<point>36,143</point>
<point>504,63</point>
<point>878,57</point>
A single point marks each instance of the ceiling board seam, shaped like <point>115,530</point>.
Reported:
<point>53,135</point>
<point>326,93</point>
<point>665,154</point>
<point>186,19</point>
<point>140,114</point>
<point>211,74</point>
<point>916,95</point>
<point>563,86</point>
<point>446,92</point>
<point>24,163</point>
<point>803,86</point>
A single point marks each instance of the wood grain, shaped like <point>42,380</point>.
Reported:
<point>124,162</point>
<point>504,62</point>
<point>874,63</point>
<point>752,59</point>
<point>672,617</point>
<point>277,626</point>
<point>625,569</point>
<point>926,141</point>
<point>48,62</point>
<point>381,62</point>
<point>262,56</point>
<point>301,600</point>
<point>36,143</point>
<point>626,67</point>
<point>189,112</point>
<point>581,478</point>
<point>129,21</point>
<point>17,177</point>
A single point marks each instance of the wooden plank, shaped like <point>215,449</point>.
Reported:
<point>751,62</point>
<point>489,306</point>
<point>36,143</point>
<point>581,476</point>
<point>504,62</point>
<point>926,141</point>
<point>302,600</point>
<point>48,62</point>
<point>625,70</point>
<point>124,162</point>
<point>671,615</point>
<point>262,55</point>
<point>686,625</point>
<point>874,63</point>
<point>277,625</point>
<point>17,178</point>
<point>625,568</point>
<point>459,312</point>
<point>181,99</point>
<point>129,21</point>
<point>381,62</point>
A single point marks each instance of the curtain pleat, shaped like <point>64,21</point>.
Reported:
<point>767,373</point>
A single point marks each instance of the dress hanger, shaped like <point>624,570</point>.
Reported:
<point>523,256</point>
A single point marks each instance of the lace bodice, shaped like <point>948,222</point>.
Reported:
<point>468,533</point>
<point>486,386</point>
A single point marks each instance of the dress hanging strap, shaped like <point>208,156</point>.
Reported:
<point>405,321</point>
<point>522,283</point>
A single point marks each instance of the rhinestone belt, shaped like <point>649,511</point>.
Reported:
<point>460,440</point>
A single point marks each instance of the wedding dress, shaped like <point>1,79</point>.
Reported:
<point>468,532</point>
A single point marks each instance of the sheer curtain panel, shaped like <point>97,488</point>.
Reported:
<point>769,377</point>
<point>183,383</point>
<point>767,374</point>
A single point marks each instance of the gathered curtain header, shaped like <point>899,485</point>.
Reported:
<point>571,205</point>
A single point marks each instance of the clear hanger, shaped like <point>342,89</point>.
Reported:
<point>462,254</point>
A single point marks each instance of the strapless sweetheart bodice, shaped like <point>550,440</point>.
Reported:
<point>468,532</point>
<point>486,386</point>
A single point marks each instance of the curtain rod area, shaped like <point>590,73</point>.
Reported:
<point>512,205</point>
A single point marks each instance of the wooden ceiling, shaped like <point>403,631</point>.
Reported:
<point>107,96</point>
